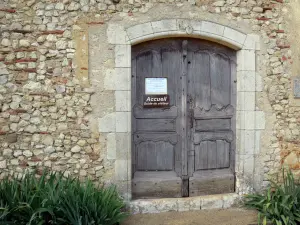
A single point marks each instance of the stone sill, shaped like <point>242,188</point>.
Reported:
<point>183,204</point>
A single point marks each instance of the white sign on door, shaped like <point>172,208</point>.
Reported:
<point>156,86</point>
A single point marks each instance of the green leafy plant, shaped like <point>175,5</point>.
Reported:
<point>279,204</point>
<point>54,199</point>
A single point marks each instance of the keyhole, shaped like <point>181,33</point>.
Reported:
<point>189,62</point>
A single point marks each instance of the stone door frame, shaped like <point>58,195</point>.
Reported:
<point>249,120</point>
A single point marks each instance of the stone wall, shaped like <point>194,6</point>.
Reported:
<point>57,80</point>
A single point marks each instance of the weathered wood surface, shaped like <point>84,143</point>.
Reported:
<point>213,124</point>
<point>156,185</point>
<point>155,156</point>
<point>196,135</point>
<point>211,182</point>
<point>157,143</point>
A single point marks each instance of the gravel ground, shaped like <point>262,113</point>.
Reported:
<point>203,217</point>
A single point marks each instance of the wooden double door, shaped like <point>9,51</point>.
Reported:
<point>186,149</point>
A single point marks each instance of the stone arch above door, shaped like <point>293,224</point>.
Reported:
<point>249,123</point>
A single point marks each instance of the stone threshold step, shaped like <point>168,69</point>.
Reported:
<point>221,201</point>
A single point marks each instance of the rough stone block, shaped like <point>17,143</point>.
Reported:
<point>296,89</point>
<point>240,119</point>
<point>124,190</point>
<point>166,205</point>
<point>260,122</point>
<point>183,204</point>
<point>164,25</point>
<point>148,207</point>
<point>246,60</point>
<point>257,141</point>
<point>3,78</point>
<point>252,42</point>
<point>123,121</point>
<point>11,138</point>
<point>123,79</point>
<point>234,35</point>
<point>219,3</point>
<point>238,140</point>
<point>249,44</point>
<point>129,172</point>
<point>248,168</point>
<point>229,200</point>
<point>111,146</point>
<point>134,207</point>
<point>246,101</point>
<point>108,123</point>
<point>47,140</point>
<point>195,203</point>
<point>123,145</point>
<point>258,82</point>
<point>123,101</point>
<point>3,164</point>
<point>116,34</point>
<point>139,30</point>
<point>189,26</point>
<point>212,28</point>
<point>229,42</point>
<point>246,81</point>
<point>121,170</point>
<point>122,55</point>
<point>249,104</point>
<point>249,120</point>
<point>239,165</point>
<point>247,142</point>
<point>148,37</point>
<point>212,202</point>
<point>110,80</point>
<point>81,57</point>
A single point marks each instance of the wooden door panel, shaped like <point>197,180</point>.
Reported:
<point>220,76</point>
<point>213,136</point>
<point>206,155</point>
<point>213,124</point>
<point>155,156</point>
<point>212,155</point>
<point>143,69</point>
<point>223,153</point>
<point>214,113</point>
<point>211,91</point>
<point>164,137</point>
<point>156,184</point>
<point>199,79</point>
<point>153,126</point>
<point>209,182</point>
<point>168,137</point>
<point>201,154</point>
<point>171,67</point>
<point>140,113</point>
<point>181,145</point>
<point>159,125</point>
<point>158,63</point>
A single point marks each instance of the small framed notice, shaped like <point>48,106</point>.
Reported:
<point>156,101</point>
<point>156,86</point>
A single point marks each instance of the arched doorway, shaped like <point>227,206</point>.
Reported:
<point>186,147</point>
